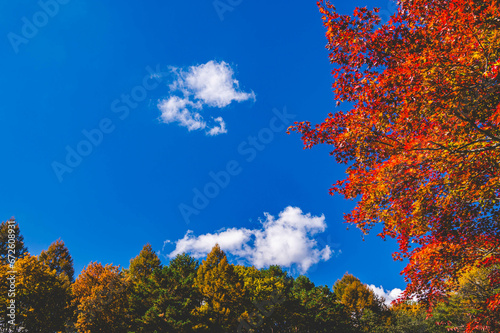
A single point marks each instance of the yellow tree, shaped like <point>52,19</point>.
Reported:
<point>468,308</point>
<point>33,296</point>
<point>356,297</point>
<point>143,266</point>
<point>476,289</point>
<point>264,295</point>
<point>258,286</point>
<point>222,291</point>
<point>100,296</point>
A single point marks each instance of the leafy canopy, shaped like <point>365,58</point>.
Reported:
<point>422,138</point>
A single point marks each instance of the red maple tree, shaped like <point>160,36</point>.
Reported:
<point>422,138</point>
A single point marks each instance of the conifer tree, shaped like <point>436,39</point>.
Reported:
<point>143,266</point>
<point>11,242</point>
<point>222,291</point>
<point>57,257</point>
<point>178,297</point>
<point>144,287</point>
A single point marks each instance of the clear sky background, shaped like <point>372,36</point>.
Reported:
<point>173,93</point>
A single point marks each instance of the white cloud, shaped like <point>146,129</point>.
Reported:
<point>286,241</point>
<point>388,295</point>
<point>212,85</point>
<point>176,109</point>
<point>216,130</point>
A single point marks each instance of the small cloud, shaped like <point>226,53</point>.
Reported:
<point>208,85</point>
<point>212,83</point>
<point>176,109</point>
<point>288,241</point>
<point>216,130</point>
<point>387,295</point>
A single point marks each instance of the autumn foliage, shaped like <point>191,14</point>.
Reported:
<point>422,136</point>
<point>100,298</point>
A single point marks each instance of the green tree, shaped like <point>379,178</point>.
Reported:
<point>11,242</point>
<point>143,289</point>
<point>319,308</point>
<point>177,297</point>
<point>58,257</point>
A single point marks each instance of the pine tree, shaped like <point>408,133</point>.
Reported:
<point>177,297</point>
<point>11,242</point>
<point>58,257</point>
<point>222,291</point>
<point>144,287</point>
<point>143,266</point>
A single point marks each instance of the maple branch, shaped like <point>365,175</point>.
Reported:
<point>460,150</point>
<point>480,150</point>
<point>471,122</point>
<point>481,45</point>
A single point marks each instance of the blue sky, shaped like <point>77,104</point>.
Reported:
<point>172,94</point>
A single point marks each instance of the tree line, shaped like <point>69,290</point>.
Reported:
<point>213,295</point>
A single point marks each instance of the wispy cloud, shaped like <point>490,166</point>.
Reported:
<point>216,130</point>
<point>194,89</point>
<point>388,295</point>
<point>176,109</point>
<point>288,240</point>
